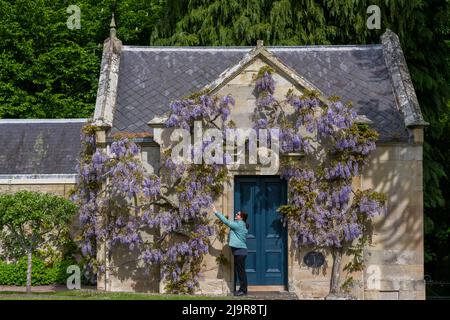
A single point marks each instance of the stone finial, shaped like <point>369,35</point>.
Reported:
<point>113,43</point>
<point>112,27</point>
<point>388,33</point>
<point>260,43</point>
<point>109,75</point>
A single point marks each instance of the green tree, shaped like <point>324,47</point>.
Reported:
<point>51,71</point>
<point>29,220</point>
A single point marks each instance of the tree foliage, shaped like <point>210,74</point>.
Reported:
<point>30,220</point>
<point>51,71</point>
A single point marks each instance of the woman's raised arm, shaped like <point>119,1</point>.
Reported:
<point>231,224</point>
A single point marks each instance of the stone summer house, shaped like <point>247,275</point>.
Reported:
<point>136,86</point>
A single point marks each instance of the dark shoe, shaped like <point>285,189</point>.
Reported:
<point>240,294</point>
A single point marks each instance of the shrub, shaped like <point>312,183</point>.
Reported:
<point>42,274</point>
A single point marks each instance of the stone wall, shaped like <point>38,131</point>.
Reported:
<point>61,189</point>
<point>397,254</point>
<point>126,272</point>
<point>394,262</point>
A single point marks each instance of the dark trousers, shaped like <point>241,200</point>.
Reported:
<point>239,268</point>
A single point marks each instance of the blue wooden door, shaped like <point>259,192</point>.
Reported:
<point>260,196</point>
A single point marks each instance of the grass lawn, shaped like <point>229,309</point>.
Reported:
<point>96,295</point>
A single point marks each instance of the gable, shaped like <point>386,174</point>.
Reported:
<point>262,57</point>
<point>241,86</point>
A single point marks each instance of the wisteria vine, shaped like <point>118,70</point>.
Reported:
<point>119,201</point>
<point>324,210</point>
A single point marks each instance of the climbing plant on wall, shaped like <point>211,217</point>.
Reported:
<point>186,191</point>
<point>119,202</point>
<point>324,210</point>
<point>107,191</point>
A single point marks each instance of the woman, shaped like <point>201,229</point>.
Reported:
<point>238,245</point>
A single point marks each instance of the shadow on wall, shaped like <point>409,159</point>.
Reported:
<point>400,178</point>
<point>129,273</point>
<point>225,266</point>
<point>395,170</point>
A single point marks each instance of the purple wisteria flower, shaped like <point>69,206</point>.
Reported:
<point>152,186</point>
<point>266,83</point>
<point>321,210</point>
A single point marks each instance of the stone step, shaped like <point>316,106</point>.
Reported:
<point>272,295</point>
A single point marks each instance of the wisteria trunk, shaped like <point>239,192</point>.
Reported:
<point>335,289</point>
<point>107,261</point>
<point>29,268</point>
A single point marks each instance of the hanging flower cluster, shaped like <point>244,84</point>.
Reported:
<point>119,201</point>
<point>107,187</point>
<point>194,186</point>
<point>323,210</point>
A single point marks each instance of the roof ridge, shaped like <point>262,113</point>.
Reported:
<point>247,48</point>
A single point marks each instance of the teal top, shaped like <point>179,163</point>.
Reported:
<point>238,232</point>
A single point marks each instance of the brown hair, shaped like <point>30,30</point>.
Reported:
<point>244,217</point>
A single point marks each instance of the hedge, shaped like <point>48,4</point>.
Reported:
<point>16,273</point>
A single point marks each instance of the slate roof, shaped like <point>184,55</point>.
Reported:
<point>32,147</point>
<point>150,77</point>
